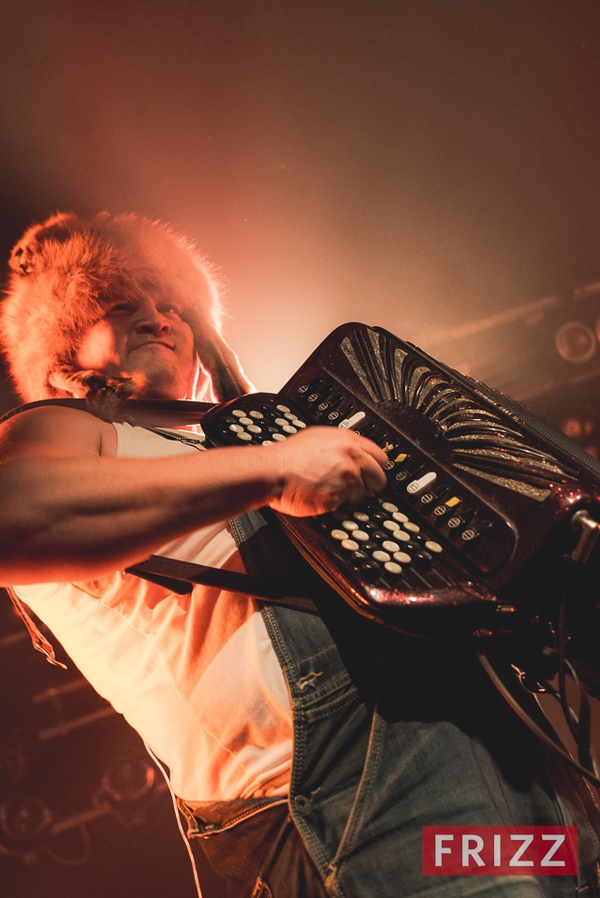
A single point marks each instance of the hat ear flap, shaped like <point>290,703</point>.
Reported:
<point>79,384</point>
<point>221,363</point>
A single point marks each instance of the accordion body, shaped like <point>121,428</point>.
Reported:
<point>472,531</point>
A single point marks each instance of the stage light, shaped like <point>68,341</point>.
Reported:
<point>24,823</point>
<point>532,351</point>
<point>127,780</point>
<point>544,354</point>
<point>578,429</point>
<point>125,788</point>
<point>575,342</point>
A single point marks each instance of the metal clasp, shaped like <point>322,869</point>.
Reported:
<point>590,530</point>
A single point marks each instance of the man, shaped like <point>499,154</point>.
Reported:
<point>299,773</point>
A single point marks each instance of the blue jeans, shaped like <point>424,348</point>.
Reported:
<point>392,734</point>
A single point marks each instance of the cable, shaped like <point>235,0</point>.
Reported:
<point>72,862</point>
<point>184,837</point>
<point>530,723</point>
<point>579,724</point>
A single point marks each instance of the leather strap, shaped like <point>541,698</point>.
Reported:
<point>156,412</point>
<point>179,576</point>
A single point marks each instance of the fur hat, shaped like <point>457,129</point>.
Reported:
<point>64,271</point>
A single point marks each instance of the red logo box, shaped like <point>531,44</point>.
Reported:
<point>499,851</point>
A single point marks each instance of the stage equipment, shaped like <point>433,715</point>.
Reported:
<point>25,822</point>
<point>530,350</point>
<point>545,354</point>
<point>127,779</point>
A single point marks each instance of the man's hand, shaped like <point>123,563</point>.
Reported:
<point>323,467</point>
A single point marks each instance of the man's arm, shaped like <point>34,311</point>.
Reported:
<point>71,509</point>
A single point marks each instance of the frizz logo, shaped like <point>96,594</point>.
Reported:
<point>499,851</point>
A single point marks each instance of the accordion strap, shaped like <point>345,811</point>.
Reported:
<point>180,576</point>
<point>155,412</point>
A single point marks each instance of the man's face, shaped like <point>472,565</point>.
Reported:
<point>146,336</point>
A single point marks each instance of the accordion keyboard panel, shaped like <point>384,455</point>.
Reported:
<point>470,496</point>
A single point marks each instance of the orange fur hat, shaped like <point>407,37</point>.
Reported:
<point>64,270</point>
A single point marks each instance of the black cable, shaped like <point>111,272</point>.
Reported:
<point>579,723</point>
<point>530,723</point>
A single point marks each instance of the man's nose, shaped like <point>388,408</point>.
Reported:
<point>150,319</point>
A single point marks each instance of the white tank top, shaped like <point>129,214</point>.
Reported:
<point>196,675</point>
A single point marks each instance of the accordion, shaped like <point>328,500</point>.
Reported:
<point>483,500</point>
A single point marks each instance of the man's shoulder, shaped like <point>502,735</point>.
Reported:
<point>51,429</point>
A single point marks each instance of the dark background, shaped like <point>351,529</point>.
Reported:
<point>415,163</point>
<point>425,165</point>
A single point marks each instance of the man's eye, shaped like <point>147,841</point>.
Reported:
<point>169,310</point>
<point>119,308</point>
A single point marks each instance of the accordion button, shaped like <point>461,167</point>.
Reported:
<point>401,536</point>
<point>402,557</point>
<point>369,569</point>
<point>349,544</point>
<point>423,559</point>
<point>415,487</point>
<point>390,546</point>
<point>399,517</point>
<point>350,525</point>
<point>379,535</point>
<point>352,421</point>
<point>361,516</point>
<point>392,568</point>
<point>378,555</point>
<point>359,555</point>
<point>389,506</point>
<point>472,533</point>
<point>339,534</point>
<point>412,528</point>
<point>360,535</point>
<point>432,546</point>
